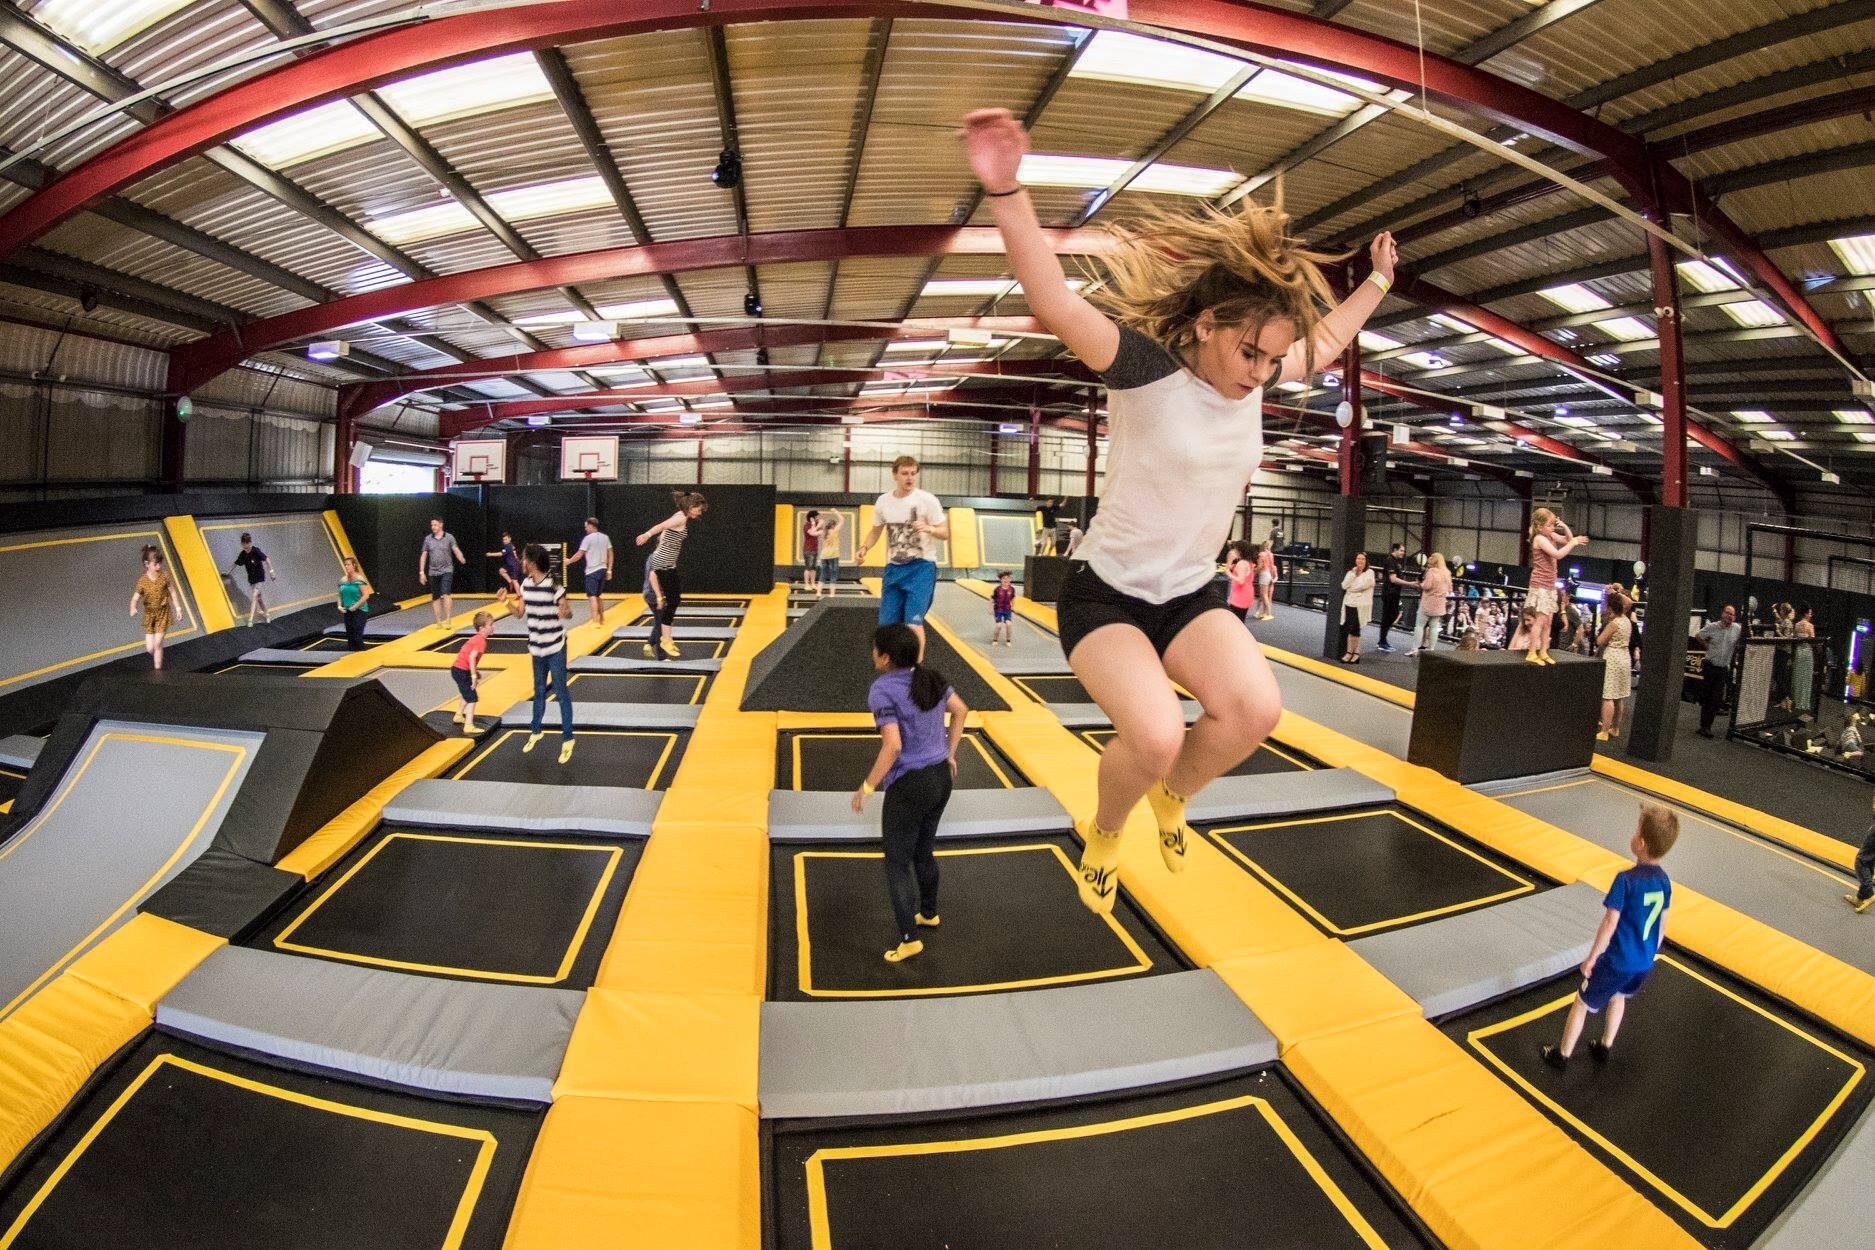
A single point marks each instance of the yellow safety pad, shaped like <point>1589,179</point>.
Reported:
<point>1480,1165</point>
<point>609,1174</point>
<point>344,831</point>
<point>966,544</point>
<point>340,538</point>
<point>875,559</point>
<point>724,777</point>
<point>696,918</point>
<point>784,533</point>
<point>636,1044</point>
<point>144,959</point>
<point>198,567</point>
<point>1285,987</point>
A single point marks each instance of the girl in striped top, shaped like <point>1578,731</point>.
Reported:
<point>662,578</point>
<point>542,604</point>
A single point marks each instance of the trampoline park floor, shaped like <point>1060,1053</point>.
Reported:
<point>11,779</point>
<point>1366,871</point>
<point>1012,920</point>
<point>175,1144</point>
<point>839,759</point>
<point>464,904</point>
<point>1268,758</point>
<point>634,649</point>
<point>678,688</point>
<point>498,644</point>
<point>1718,1102</point>
<point>1243,1161</point>
<point>638,759</point>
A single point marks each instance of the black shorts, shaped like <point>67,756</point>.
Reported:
<point>1087,603</point>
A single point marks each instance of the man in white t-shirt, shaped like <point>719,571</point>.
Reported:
<point>596,550</point>
<point>913,523</point>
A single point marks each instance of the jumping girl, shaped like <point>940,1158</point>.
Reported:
<point>1206,310</point>
<point>1545,552</point>
<point>153,599</point>
<point>661,573</point>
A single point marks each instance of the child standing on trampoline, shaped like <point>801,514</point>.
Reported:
<point>810,550</point>
<point>666,586</point>
<point>916,766</point>
<point>542,604</point>
<point>1550,542</point>
<point>153,599</point>
<point>259,572</point>
<point>467,670</point>
<point>1207,310</point>
<point>1003,610</point>
<point>1628,941</point>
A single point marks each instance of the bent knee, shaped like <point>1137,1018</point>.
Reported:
<point>1246,716</point>
<point>1155,746</point>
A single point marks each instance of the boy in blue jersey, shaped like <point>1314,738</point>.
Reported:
<point>1628,941</point>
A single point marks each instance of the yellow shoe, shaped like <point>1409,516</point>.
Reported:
<point>566,750</point>
<point>1531,657</point>
<point>671,651</point>
<point>1548,658</point>
<point>1601,737</point>
<point>1100,869</point>
<point>533,740</point>
<point>925,922</point>
<point>650,652</point>
<point>903,951</point>
<point>1169,810</point>
<point>1859,903</point>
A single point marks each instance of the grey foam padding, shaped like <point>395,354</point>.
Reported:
<point>828,815</point>
<point>18,751</point>
<point>289,656</point>
<point>463,1038</point>
<point>904,1055</point>
<point>93,569</point>
<point>1382,725</point>
<point>795,614</point>
<point>1286,794</point>
<point>137,805</point>
<point>681,633</point>
<point>710,609</point>
<point>591,715</point>
<point>1089,715</point>
<point>625,664</point>
<point>299,547</point>
<point>419,689</point>
<point>1510,785</point>
<point>1460,961</point>
<point>499,805</point>
<point>967,614</point>
<point>1837,1200</point>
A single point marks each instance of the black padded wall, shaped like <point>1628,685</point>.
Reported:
<point>731,548</point>
<point>387,531</point>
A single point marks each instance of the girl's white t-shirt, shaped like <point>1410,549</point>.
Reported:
<point>1179,457</point>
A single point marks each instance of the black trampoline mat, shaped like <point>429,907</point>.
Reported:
<point>1012,921</point>
<point>839,759</point>
<point>1245,1162</point>
<point>727,620</point>
<point>1360,872</point>
<point>331,644</point>
<point>177,1145</point>
<point>1718,1103</point>
<point>634,648</point>
<point>639,759</point>
<point>10,782</point>
<point>681,688</point>
<point>524,910</point>
<point>498,644</point>
<point>1266,759</point>
<point>240,669</point>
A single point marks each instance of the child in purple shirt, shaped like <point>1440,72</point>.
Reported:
<point>916,765</point>
<point>1003,610</point>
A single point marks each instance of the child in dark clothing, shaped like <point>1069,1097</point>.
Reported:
<point>1864,872</point>
<point>1003,611</point>
<point>917,764</point>
<point>1628,941</point>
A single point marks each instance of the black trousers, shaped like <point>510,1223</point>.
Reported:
<point>913,806</point>
<point>1712,696</point>
<point>1389,613</point>
<point>673,587</point>
<point>355,630</point>
<point>1350,626</point>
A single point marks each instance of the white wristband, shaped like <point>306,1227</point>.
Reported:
<point>1381,280</point>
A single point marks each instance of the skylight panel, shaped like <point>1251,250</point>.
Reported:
<point>1042,169</point>
<point>1707,277</point>
<point>1424,360</point>
<point>916,345</point>
<point>1752,416</point>
<point>1300,94</point>
<point>1579,422</point>
<point>1864,438</point>
<point>1190,180</point>
<point>1755,313</point>
<point>1376,342</point>
<point>97,26</point>
<point>319,131</point>
<point>638,308</point>
<point>1576,298</point>
<point>939,288</point>
<point>545,199</point>
<point>1857,252</point>
<point>1778,436</point>
<point>1627,329</point>
<point>723,401</point>
<point>1115,56</point>
<point>1606,360</point>
<point>1454,324</point>
<point>432,221</point>
<point>673,363</point>
<point>1854,416</point>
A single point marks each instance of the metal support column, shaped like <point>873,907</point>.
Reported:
<point>1672,374</point>
<point>1035,452</point>
<point>1348,524</point>
<point>1093,443</point>
<point>846,464</point>
<point>344,438</point>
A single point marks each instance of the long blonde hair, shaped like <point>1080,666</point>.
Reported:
<point>1541,520</point>
<point>1435,561</point>
<point>1169,266</point>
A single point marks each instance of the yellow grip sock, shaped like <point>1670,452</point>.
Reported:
<point>1169,810</point>
<point>1100,869</point>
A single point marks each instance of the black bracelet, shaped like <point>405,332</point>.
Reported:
<point>997,195</point>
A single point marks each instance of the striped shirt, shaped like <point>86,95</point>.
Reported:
<point>540,601</point>
<point>670,543</point>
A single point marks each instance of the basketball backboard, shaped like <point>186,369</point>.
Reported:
<point>589,458</point>
<point>479,460</point>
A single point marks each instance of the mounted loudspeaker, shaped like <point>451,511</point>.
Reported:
<point>361,455</point>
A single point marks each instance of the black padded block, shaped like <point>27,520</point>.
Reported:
<point>1672,540</point>
<point>223,894</point>
<point>823,663</point>
<point>1487,715</point>
<point>1043,576</point>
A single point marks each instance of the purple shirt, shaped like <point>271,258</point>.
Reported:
<point>923,739</point>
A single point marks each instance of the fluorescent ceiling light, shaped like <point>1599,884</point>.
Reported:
<point>916,345</point>
<point>545,199</point>
<point>1606,360</point>
<point>670,363</point>
<point>1710,278</point>
<point>1115,56</point>
<point>446,95</point>
<point>1752,416</point>
<point>1778,436</point>
<point>1755,313</point>
<point>979,287</point>
<point>1627,329</point>
<point>1041,169</point>
<point>1854,416</point>
<point>1376,342</point>
<point>1424,360</point>
<point>97,26</point>
<point>1857,252</point>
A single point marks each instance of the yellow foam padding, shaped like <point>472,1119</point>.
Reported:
<point>966,545</point>
<point>413,601</point>
<point>784,533</point>
<point>50,1046</point>
<point>646,1046</point>
<point>611,1174</point>
<point>1285,987</point>
<point>340,538</point>
<point>876,557</point>
<point>204,578</point>
<point>1480,1165</point>
<point>340,834</point>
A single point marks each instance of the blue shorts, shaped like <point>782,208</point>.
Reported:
<point>1605,983</point>
<point>595,581</point>
<point>442,584</point>
<point>830,568</point>
<point>1001,616</point>
<point>465,684</point>
<point>905,596</point>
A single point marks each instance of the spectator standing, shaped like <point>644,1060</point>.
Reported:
<point>1721,638</point>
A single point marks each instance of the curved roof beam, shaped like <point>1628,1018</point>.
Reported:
<point>378,59</point>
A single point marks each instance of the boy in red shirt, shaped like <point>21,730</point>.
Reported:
<point>467,670</point>
<point>1003,611</point>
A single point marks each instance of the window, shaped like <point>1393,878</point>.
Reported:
<point>384,477</point>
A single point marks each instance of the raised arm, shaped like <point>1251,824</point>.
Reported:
<point>995,142</point>
<point>659,528</point>
<point>1337,329</point>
